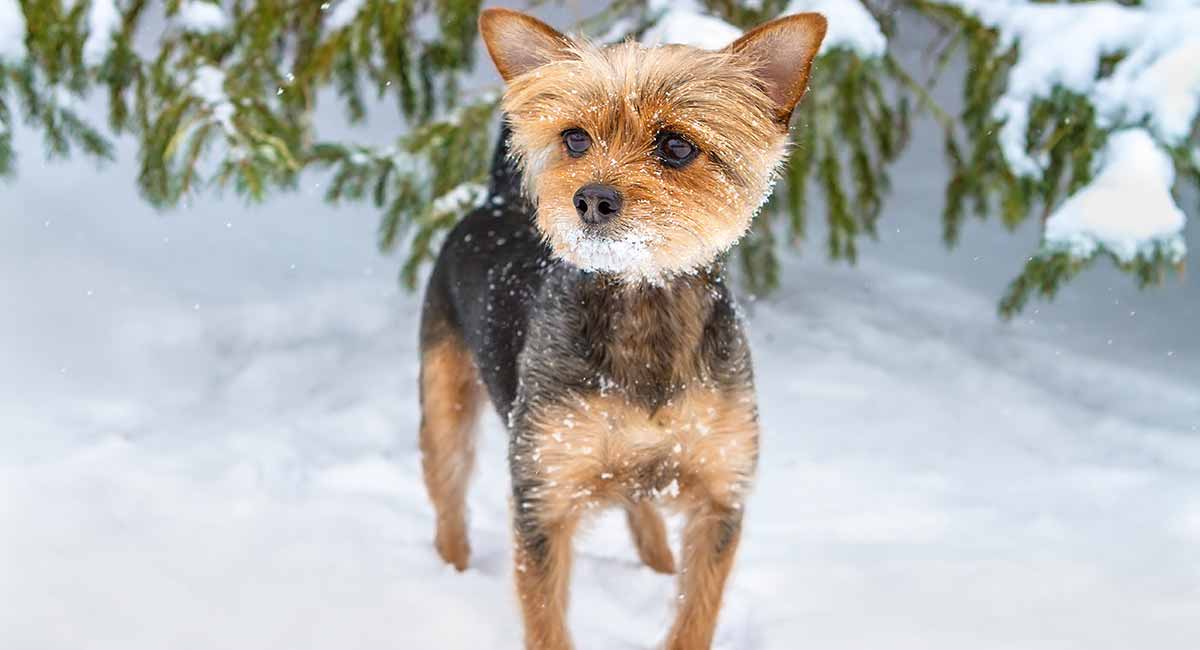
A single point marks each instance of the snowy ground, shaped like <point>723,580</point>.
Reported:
<point>207,440</point>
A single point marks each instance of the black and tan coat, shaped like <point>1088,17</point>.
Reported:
<point>626,382</point>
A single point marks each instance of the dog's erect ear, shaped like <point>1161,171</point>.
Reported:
<point>784,48</point>
<point>519,43</point>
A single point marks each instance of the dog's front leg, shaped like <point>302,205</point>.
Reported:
<point>542,558</point>
<point>710,540</point>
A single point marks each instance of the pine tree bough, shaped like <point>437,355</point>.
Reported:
<point>1065,105</point>
<point>1111,91</point>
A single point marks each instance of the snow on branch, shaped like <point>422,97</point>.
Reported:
<point>1156,79</point>
<point>1126,209</point>
<point>343,14</point>
<point>200,17</point>
<point>208,84</point>
<point>12,32</point>
<point>1139,67</point>
<point>103,20</point>
<point>851,26</point>
<point>461,198</point>
<point>686,22</point>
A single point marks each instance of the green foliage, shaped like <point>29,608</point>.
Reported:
<point>265,72</point>
<point>232,108</point>
<point>849,130</point>
<point>1045,273</point>
<point>1062,129</point>
<point>47,85</point>
<point>415,182</point>
<point>1063,132</point>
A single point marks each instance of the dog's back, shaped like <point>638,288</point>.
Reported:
<point>488,272</point>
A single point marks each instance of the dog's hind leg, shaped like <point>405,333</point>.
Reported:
<point>450,398</point>
<point>650,536</point>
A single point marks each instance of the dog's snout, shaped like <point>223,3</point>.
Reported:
<point>597,204</point>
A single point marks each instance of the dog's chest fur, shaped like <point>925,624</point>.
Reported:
<point>631,391</point>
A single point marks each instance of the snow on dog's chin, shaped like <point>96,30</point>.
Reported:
<point>627,253</point>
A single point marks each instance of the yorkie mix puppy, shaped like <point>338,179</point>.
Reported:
<point>590,301</point>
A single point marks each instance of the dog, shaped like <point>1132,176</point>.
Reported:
<point>587,298</point>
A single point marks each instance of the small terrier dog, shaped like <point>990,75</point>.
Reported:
<point>589,300</point>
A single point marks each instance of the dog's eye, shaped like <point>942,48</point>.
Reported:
<point>675,150</point>
<point>577,141</point>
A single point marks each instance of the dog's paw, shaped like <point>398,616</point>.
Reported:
<point>660,558</point>
<point>454,549</point>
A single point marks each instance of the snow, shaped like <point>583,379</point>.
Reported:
<point>208,84</point>
<point>12,32</point>
<point>851,26</point>
<point>1157,83</point>
<point>103,21</point>
<point>461,198</point>
<point>1127,209</point>
<point>1170,4</point>
<point>343,14</point>
<point>246,475</point>
<point>687,23</point>
<point>1161,87</point>
<point>1061,46</point>
<point>208,440</point>
<point>626,253</point>
<point>202,17</point>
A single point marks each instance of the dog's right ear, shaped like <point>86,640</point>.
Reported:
<point>784,49</point>
<point>519,43</point>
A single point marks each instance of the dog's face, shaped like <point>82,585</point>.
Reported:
<point>648,162</point>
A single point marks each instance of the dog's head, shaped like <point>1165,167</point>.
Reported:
<point>648,161</point>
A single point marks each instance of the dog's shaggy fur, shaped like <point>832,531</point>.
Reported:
<point>614,351</point>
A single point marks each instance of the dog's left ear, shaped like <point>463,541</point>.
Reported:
<point>784,49</point>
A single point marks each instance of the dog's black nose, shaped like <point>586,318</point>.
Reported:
<point>597,204</point>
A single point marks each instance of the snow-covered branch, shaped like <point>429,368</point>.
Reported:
<point>1139,68</point>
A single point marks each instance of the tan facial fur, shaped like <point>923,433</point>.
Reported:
<point>727,103</point>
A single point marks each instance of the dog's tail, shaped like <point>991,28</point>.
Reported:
<point>505,175</point>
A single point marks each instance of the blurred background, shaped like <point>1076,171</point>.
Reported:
<point>977,348</point>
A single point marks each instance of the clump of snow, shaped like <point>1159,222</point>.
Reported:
<point>343,14</point>
<point>1127,209</point>
<point>687,23</point>
<point>1157,85</point>
<point>208,84</point>
<point>627,253</point>
<point>12,32</point>
<point>1061,45</point>
<point>851,26</point>
<point>103,20</point>
<point>202,17</point>
<point>463,196</point>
